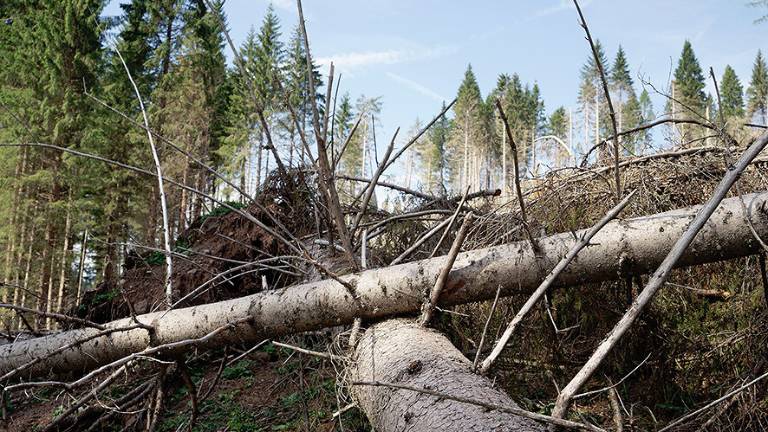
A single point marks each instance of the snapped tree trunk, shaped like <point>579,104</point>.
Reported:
<point>403,352</point>
<point>632,246</point>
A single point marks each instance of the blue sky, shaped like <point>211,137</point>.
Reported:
<point>414,53</point>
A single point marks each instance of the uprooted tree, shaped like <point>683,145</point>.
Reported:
<point>314,259</point>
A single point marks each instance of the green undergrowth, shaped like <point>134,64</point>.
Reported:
<point>263,393</point>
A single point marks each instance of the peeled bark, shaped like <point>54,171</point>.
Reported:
<point>403,352</point>
<point>621,248</point>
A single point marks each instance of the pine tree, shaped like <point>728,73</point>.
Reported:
<point>438,138</point>
<point>469,141</point>
<point>343,123</point>
<point>731,95</point>
<point>558,123</point>
<point>243,130</point>
<point>53,54</point>
<point>298,91</point>
<point>757,92</point>
<point>688,87</point>
<point>558,126</point>
<point>592,101</point>
<point>111,196</point>
<point>646,116</point>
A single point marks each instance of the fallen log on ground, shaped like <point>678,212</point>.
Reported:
<point>404,353</point>
<point>623,247</point>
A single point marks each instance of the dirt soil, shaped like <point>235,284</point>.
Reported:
<point>218,241</point>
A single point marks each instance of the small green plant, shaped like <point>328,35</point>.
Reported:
<point>222,210</point>
<point>104,297</point>
<point>291,400</point>
<point>238,370</point>
<point>59,410</point>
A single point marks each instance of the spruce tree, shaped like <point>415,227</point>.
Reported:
<point>622,90</point>
<point>243,131</point>
<point>298,91</point>
<point>646,116</point>
<point>557,124</point>
<point>350,161</point>
<point>591,99</point>
<point>343,123</point>
<point>689,83</point>
<point>731,95</point>
<point>438,138</point>
<point>469,142</point>
<point>120,140</point>
<point>51,52</point>
<point>525,113</point>
<point>757,92</point>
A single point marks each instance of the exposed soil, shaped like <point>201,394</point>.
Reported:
<point>219,241</point>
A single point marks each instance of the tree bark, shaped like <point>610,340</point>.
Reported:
<point>403,352</point>
<point>632,246</point>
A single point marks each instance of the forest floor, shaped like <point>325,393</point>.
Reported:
<point>272,389</point>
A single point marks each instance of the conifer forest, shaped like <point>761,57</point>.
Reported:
<point>208,230</point>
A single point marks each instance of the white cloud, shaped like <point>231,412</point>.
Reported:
<point>289,5</point>
<point>355,60</point>
<point>417,87</point>
<point>563,5</point>
<point>360,59</point>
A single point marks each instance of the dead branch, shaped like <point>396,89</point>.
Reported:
<point>309,352</point>
<point>450,224</point>
<point>429,234</point>
<point>485,329</point>
<point>550,279</point>
<point>713,403</point>
<point>434,295</point>
<point>516,176</point>
<point>57,316</point>
<point>659,277</point>
<point>372,185</point>
<point>160,188</point>
<point>599,63</point>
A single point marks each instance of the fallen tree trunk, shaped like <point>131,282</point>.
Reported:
<point>623,247</point>
<point>405,353</point>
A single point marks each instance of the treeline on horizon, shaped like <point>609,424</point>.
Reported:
<point>64,85</point>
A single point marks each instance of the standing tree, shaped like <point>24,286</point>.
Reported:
<point>627,105</point>
<point>646,116</point>
<point>593,103</point>
<point>558,125</point>
<point>757,92</point>
<point>243,132</point>
<point>438,140</point>
<point>688,91</point>
<point>298,95</point>
<point>468,142</point>
<point>267,72</point>
<point>731,95</point>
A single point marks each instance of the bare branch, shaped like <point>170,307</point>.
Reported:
<point>434,296</point>
<point>599,63</point>
<point>659,277</point>
<point>550,279</point>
